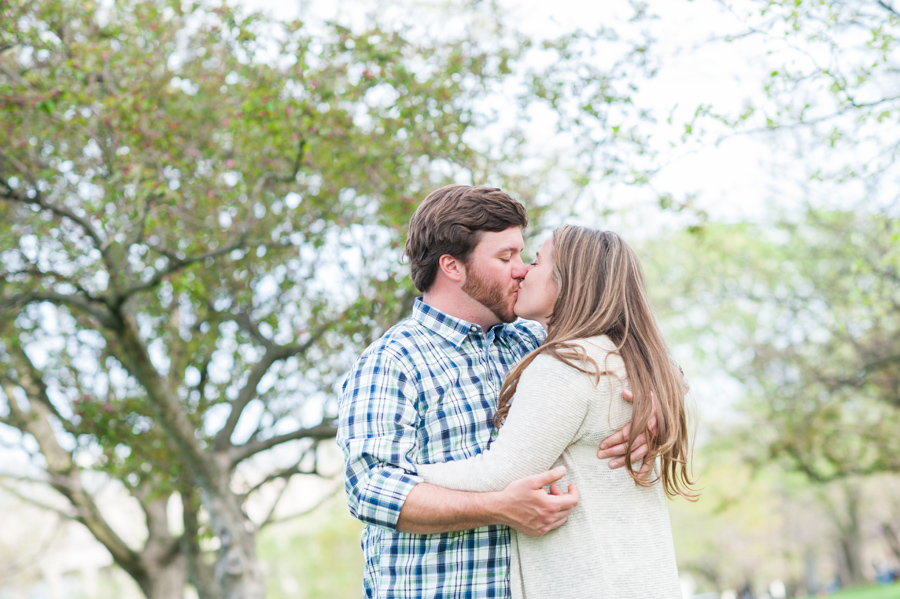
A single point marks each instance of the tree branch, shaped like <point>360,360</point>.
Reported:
<point>37,503</point>
<point>18,195</point>
<point>888,8</point>
<point>12,74</point>
<point>322,500</point>
<point>35,386</point>
<point>61,299</point>
<point>284,473</point>
<point>275,503</point>
<point>273,354</point>
<point>326,430</point>
<point>266,177</point>
<point>873,103</point>
<point>5,47</point>
<point>65,478</point>
<point>36,272</point>
<point>142,223</point>
<point>168,410</point>
<point>176,264</point>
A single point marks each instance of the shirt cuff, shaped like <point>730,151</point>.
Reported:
<point>383,498</point>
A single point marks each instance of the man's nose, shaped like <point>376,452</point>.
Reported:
<point>521,270</point>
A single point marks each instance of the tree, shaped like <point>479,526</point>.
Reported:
<point>201,213</point>
<point>176,196</point>
<point>806,315</point>
<point>829,92</point>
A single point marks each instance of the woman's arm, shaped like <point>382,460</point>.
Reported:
<point>550,405</point>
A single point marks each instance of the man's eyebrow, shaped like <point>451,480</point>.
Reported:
<point>509,249</point>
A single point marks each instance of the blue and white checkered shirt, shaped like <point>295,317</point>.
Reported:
<point>423,393</point>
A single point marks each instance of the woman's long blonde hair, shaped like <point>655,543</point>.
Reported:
<point>602,292</point>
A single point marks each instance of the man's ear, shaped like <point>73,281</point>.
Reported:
<point>452,268</point>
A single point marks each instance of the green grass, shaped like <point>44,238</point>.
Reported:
<point>872,592</point>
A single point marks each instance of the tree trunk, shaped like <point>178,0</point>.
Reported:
<point>850,561</point>
<point>165,580</point>
<point>200,572</point>
<point>892,538</point>
<point>237,570</point>
<point>811,577</point>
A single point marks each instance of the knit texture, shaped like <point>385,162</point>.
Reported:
<point>617,544</point>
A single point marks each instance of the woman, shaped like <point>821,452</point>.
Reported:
<point>587,289</point>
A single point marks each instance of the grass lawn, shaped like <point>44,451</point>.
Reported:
<point>873,592</point>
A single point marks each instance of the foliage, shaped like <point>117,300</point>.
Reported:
<point>828,91</point>
<point>805,315</point>
<point>749,525</point>
<point>316,557</point>
<point>201,211</point>
<point>186,191</point>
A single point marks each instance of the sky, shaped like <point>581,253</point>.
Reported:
<point>731,180</point>
<point>696,67</point>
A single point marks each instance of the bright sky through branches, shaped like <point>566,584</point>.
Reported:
<point>730,179</point>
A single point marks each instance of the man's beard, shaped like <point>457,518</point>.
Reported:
<point>492,296</point>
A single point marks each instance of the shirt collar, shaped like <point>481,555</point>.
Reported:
<point>455,330</point>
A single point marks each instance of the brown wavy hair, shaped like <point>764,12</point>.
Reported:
<point>602,292</point>
<point>450,221</point>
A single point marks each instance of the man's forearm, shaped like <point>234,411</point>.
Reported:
<point>523,505</point>
<point>429,510</point>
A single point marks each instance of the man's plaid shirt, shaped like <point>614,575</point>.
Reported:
<point>423,393</point>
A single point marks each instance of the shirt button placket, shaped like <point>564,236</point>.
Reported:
<point>490,371</point>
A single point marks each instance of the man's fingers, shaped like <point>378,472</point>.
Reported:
<point>555,490</point>
<point>616,438</point>
<point>639,441</point>
<point>639,449</point>
<point>628,395</point>
<point>567,502</point>
<point>638,453</point>
<point>536,481</point>
<point>645,469</point>
<point>613,452</point>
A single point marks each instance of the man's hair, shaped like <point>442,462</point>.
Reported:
<point>450,221</point>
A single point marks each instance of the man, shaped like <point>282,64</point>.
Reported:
<point>426,392</point>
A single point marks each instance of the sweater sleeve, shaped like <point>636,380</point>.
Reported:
<point>549,407</point>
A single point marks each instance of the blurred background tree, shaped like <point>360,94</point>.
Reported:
<point>804,313</point>
<point>829,92</point>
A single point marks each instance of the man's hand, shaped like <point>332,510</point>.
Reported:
<point>614,445</point>
<point>525,506</point>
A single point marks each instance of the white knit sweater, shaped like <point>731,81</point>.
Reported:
<point>617,544</point>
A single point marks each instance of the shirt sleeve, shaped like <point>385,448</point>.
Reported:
<point>377,432</point>
<point>549,408</point>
